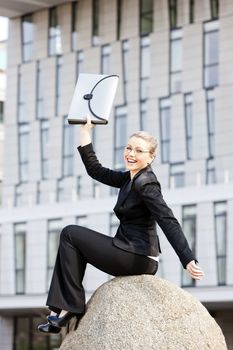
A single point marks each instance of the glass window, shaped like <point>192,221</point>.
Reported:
<point>44,149</point>
<point>114,223</point>
<point>22,105</point>
<point>220,214</point>
<point>40,92</point>
<point>125,62</point>
<point>145,68</point>
<point>0,193</point>
<point>68,149</point>
<point>1,111</point>
<point>189,227</point>
<point>105,59</point>
<point>191,11</point>
<point>173,13</point>
<point>3,56</point>
<point>55,47</point>
<point>59,66</point>
<point>120,137</point>
<point>20,257</point>
<point>95,22</point>
<point>146,16</point>
<point>214,9</point>
<point>74,31</point>
<point>143,115</point>
<point>211,54</point>
<point>177,175</point>
<point>188,109</point>
<point>27,37</point>
<point>210,103</point>
<point>119,18</point>
<point>24,152</point>
<point>176,61</point>
<point>54,229</point>
<point>79,63</point>
<point>165,120</point>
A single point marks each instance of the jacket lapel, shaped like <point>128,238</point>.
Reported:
<point>125,189</point>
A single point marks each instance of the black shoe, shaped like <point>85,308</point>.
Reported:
<point>48,328</point>
<point>61,321</point>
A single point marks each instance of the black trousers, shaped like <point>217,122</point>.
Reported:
<point>79,246</point>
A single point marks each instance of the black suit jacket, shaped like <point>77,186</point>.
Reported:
<point>139,207</point>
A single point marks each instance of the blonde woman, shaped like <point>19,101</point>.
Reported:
<point>135,248</point>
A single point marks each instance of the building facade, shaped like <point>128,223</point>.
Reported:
<point>174,60</point>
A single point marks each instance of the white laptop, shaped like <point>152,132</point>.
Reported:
<point>93,96</point>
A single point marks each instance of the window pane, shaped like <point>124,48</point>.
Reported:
<point>27,37</point>
<point>24,149</point>
<point>220,236</point>
<point>22,333</point>
<point>20,251</point>
<point>176,84</point>
<point>28,28</point>
<point>20,282</point>
<point>176,55</point>
<point>105,58</point>
<point>145,61</point>
<point>211,76</point>
<point>146,16</point>
<point>221,266</point>
<point>165,128</point>
<point>165,123</point>
<point>211,47</point>
<point>189,227</point>
<point>52,247</point>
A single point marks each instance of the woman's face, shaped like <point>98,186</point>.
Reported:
<point>137,155</point>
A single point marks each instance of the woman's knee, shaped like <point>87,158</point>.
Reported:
<point>67,232</point>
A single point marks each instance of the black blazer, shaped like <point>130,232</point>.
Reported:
<point>140,205</point>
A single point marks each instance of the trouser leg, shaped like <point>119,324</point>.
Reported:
<point>79,246</point>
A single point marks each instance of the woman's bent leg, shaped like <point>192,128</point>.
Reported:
<point>79,246</point>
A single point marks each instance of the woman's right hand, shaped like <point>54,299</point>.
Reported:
<point>85,132</point>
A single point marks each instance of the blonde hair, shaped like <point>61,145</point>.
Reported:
<point>146,136</point>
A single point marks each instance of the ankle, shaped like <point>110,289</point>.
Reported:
<point>63,313</point>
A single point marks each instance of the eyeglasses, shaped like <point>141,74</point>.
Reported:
<point>137,151</point>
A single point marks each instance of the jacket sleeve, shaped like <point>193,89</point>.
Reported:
<point>153,199</point>
<point>97,171</point>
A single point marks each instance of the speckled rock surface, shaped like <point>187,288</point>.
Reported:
<point>144,312</point>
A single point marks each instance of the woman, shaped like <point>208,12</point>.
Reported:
<point>135,248</point>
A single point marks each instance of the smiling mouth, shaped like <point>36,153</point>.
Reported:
<point>131,161</point>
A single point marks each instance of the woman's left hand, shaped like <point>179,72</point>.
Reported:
<point>194,270</point>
